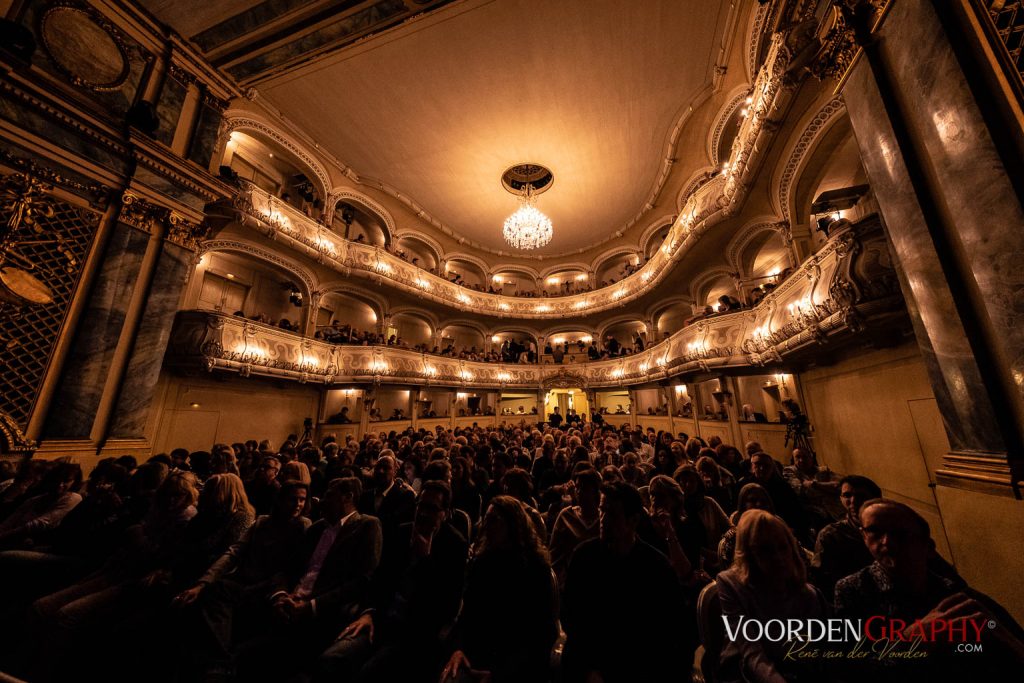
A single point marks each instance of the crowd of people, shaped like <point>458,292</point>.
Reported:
<point>569,552</point>
<point>510,350</point>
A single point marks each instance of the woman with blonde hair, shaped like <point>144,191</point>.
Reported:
<point>768,580</point>
<point>508,623</point>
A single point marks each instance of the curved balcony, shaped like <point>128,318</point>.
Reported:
<point>848,287</point>
<point>713,201</point>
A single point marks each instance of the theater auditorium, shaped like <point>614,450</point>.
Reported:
<point>511,341</point>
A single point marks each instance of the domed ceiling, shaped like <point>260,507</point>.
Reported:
<point>439,105</point>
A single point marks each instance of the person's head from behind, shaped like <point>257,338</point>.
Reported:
<point>438,470</point>
<point>708,470</point>
<point>767,552</point>
<point>341,498</point>
<point>587,483</point>
<point>291,500</point>
<point>506,527</point>
<point>753,447</point>
<point>621,510</point>
<point>295,471</point>
<point>762,466</point>
<point>689,481</point>
<point>222,494</point>
<point>517,483</point>
<point>611,474</point>
<point>754,497</point>
<point>177,492</point>
<point>666,495</point>
<point>854,491</point>
<point>897,537</point>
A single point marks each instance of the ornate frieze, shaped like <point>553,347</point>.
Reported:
<point>824,299</point>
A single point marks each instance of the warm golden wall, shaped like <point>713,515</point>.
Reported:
<point>228,411</point>
<point>876,415</point>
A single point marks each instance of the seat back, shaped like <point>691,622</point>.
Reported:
<point>712,634</point>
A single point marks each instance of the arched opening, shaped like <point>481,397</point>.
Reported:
<point>355,223</point>
<point>513,343</point>
<point>410,330</point>
<point>565,282</point>
<point>338,309</point>
<point>615,268</point>
<point>623,336</point>
<point>514,283</point>
<point>572,344</point>
<point>709,293</point>
<point>266,164</point>
<point>765,257</point>
<point>463,338</point>
<point>466,272</point>
<point>834,164</point>
<point>417,252</point>
<point>655,242</point>
<point>670,320</point>
<point>246,286</point>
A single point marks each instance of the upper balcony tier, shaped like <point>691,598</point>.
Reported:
<point>718,197</point>
<point>847,288</point>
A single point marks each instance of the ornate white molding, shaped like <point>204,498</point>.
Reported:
<point>426,240</point>
<point>244,120</point>
<point>349,195</point>
<point>801,150</point>
<point>741,240</point>
<point>700,282</point>
<point>733,102</point>
<point>293,267</point>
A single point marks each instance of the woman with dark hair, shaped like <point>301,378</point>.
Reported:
<point>679,537</point>
<point>714,484</point>
<point>508,620</point>
<point>465,495</point>
<point>768,580</point>
<point>699,506</point>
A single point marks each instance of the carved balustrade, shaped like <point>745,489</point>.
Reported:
<point>838,292</point>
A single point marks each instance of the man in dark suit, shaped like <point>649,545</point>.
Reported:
<point>390,499</point>
<point>324,589</point>
<point>416,594</point>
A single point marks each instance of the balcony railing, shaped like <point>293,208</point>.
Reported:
<point>847,287</point>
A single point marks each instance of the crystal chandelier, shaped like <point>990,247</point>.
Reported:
<point>527,228</point>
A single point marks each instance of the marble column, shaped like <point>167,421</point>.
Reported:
<point>135,399</point>
<point>954,221</point>
<point>80,390</point>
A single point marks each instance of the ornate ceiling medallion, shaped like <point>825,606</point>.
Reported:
<point>527,228</point>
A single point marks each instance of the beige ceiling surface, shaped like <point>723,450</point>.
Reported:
<point>439,107</point>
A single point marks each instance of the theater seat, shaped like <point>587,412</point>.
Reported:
<point>712,634</point>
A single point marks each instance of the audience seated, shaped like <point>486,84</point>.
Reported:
<point>908,581</point>
<point>508,621</point>
<point>768,580</point>
<point>624,611</point>
<point>158,570</point>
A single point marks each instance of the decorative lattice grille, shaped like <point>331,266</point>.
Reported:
<point>1008,17</point>
<point>28,334</point>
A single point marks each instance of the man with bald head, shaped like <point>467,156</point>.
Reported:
<point>389,498</point>
<point>908,581</point>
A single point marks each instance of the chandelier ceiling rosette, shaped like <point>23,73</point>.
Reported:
<point>528,227</point>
